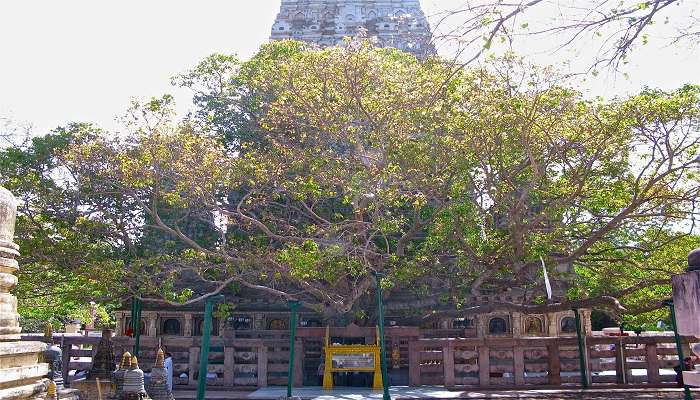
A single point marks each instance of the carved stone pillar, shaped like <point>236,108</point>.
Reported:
<point>222,326</point>
<point>517,327</point>
<point>586,322</point>
<point>552,328</point>
<point>21,373</point>
<point>259,321</point>
<point>482,325</point>
<point>188,325</point>
<point>119,328</point>
<point>152,324</point>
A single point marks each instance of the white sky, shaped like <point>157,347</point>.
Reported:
<point>83,60</point>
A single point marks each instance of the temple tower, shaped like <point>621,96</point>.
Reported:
<point>21,373</point>
<point>390,23</point>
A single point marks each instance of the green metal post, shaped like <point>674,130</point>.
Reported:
<point>581,350</point>
<point>382,355</point>
<point>679,346</point>
<point>136,326</point>
<point>294,305</point>
<point>204,351</point>
<point>133,312</point>
<point>133,315</point>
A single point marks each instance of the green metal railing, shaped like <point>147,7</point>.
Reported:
<point>136,306</point>
<point>204,351</point>
<point>679,346</point>
<point>294,306</point>
<point>581,350</point>
<point>382,352</point>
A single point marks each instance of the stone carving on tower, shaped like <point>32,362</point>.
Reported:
<point>390,23</point>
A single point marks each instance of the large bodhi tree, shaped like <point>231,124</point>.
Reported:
<point>317,167</point>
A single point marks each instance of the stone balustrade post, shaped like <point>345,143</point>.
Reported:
<point>552,324</point>
<point>119,325</point>
<point>188,325</point>
<point>222,326</point>
<point>151,324</point>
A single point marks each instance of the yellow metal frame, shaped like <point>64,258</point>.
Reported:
<point>350,349</point>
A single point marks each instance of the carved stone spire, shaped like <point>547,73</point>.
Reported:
<point>390,23</point>
<point>103,362</point>
<point>158,387</point>
<point>119,374</point>
<point>134,382</point>
<point>160,359</point>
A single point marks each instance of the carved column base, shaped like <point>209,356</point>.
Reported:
<point>9,319</point>
<point>22,376</point>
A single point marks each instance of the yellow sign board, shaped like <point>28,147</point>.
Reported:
<point>351,358</point>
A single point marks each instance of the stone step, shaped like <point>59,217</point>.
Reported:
<point>34,390</point>
<point>25,373</point>
<point>16,354</point>
<point>211,394</point>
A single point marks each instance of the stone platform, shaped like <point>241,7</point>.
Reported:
<point>398,393</point>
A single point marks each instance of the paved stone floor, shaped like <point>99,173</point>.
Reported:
<point>398,393</point>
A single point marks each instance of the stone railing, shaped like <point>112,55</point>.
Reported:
<point>508,362</point>
<point>260,358</point>
<point>233,362</point>
<point>77,349</point>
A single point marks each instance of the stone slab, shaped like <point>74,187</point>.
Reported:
<point>19,374</point>
<point>686,299</point>
<point>25,391</point>
<point>12,348</point>
<point>88,389</point>
<point>691,378</point>
<point>398,393</point>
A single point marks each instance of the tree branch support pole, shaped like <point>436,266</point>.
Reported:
<point>382,354</point>
<point>581,350</point>
<point>294,306</point>
<point>136,307</point>
<point>204,350</point>
<point>679,346</point>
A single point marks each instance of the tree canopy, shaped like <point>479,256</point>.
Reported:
<point>303,171</point>
<point>610,31</point>
<point>68,257</point>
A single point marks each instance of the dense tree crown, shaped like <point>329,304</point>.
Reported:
<point>302,171</point>
<point>68,254</point>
